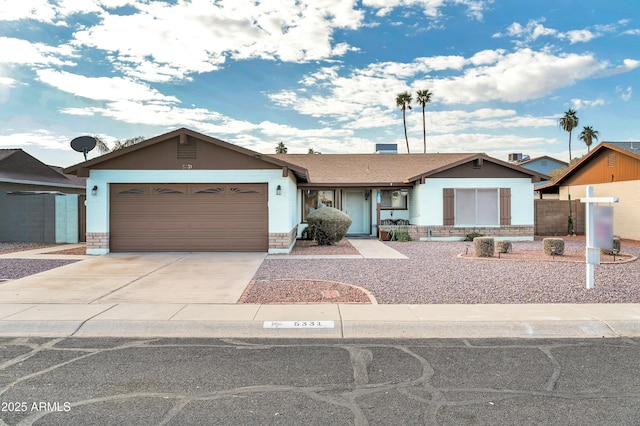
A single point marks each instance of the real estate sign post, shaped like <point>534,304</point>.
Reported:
<point>599,230</point>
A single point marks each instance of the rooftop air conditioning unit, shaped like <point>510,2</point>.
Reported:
<point>386,148</point>
<point>515,157</point>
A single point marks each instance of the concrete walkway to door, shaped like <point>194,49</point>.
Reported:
<point>156,278</point>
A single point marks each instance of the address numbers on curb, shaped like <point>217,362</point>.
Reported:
<point>299,324</point>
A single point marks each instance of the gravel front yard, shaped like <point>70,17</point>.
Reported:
<point>434,274</point>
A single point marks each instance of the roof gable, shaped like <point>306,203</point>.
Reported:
<point>183,149</point>
<point>608,162</point>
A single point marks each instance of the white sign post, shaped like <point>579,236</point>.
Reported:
<point>593,252</point>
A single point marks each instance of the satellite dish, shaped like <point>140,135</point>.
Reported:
<point>83,144</point>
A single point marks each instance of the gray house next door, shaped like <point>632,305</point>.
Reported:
<point>355,203</point>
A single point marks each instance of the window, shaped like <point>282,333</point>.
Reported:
<point>392,199</point>
<point>477,207</point>
<point>313,199</point>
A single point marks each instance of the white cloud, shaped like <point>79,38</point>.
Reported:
<point>579,36</point>
<point>163,41</point>
<point>521,75</point>
<point>431,8</point>
<point>499,145</point>
<point>101,88</point>
<point>625,93</point>
<point>586,103</point>
<point>42,138</point>
<point>535,29</point>
<point>632,32</point>
<point>18,51</point>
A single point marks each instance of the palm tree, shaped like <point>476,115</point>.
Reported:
<point>281,148</point>
<point>403,100</point>
<point>567,123</point>
<point>588,135</point>
<point>423,97</point>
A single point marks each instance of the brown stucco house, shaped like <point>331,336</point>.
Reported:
<point>186,191</point>
<point>613,169</point>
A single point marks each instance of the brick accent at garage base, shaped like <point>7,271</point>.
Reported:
<point>416,232</point>
<point>97,240</point>
<point>282,240</point>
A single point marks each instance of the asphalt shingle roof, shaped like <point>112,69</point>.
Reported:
<point>371,168</point>
<point>15,164</point>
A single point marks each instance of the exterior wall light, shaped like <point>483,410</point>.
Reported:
<point>94,190</point>
<point>279,190</point>
<point>404,192</point>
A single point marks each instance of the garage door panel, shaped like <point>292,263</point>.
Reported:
<point>189,217</point>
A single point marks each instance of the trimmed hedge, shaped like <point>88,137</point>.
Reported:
<point>328,225</point>
<point>484,246</point>
<point>556,243</point>
<point>504,246</point>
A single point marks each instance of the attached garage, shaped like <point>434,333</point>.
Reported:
<point>189,217</point>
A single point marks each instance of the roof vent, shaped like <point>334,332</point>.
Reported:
<point>386,148</point>
<point>187,150</point>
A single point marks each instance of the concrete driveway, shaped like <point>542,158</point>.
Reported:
<point>140,278</point>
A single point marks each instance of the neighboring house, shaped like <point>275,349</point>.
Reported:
<point>543,165</point>
<point>613,168</point>
<point>185,191</point>
<point>38,203</point>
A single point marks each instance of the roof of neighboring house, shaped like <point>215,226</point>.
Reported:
<point>18,166</point>
<point>544,157</point>
<point>631,149</point>
<point>384,169</point>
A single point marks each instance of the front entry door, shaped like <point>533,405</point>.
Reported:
<point>357,207</point>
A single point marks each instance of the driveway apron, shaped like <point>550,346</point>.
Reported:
<point>140,278</point>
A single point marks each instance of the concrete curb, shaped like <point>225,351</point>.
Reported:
<point>338,321</point>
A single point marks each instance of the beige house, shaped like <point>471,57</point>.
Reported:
<point>613,169</point>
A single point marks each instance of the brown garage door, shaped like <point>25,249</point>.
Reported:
<point>189,217</point>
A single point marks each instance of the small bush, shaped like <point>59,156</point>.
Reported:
<point>402,236</point>
<point>328,225</point>
<point>473,235</point>
<point>483,246</point>
<point>616,247</point>
<point>557,244</point>
<point>504,246</point>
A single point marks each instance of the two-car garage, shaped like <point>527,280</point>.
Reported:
<point>189,217</point>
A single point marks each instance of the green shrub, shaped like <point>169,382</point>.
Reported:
<point>483,246</point>
<point>473,235</point>
<point>553,246</point>
<point>397,235</point>
<point>328,225</point>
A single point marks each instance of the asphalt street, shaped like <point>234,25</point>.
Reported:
<point>115,381</point>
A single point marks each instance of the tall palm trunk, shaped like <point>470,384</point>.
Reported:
<point>406,138</point>
<point>424,131</point>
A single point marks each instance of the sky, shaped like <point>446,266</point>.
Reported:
<point>321,74</point>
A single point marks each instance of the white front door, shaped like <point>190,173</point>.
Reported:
<point>357,207</point>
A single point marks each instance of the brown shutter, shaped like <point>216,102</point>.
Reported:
<point>505,206</point>
<point>448,203</point>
